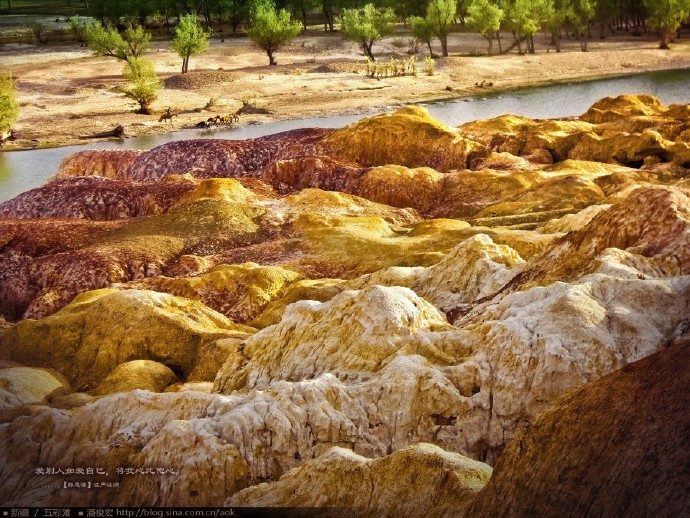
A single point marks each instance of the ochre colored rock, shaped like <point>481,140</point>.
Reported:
<point>136,374</point>
<point>419,480</point>
<point>651,223</point>
<point>447,294</point>
<point>400,186</point>
<point>321,290</point>
<point>611,109</point>
<point>102,329</point>
<point>576,221</point>
<point>20,386</point>
<point>472,270</point>
<point>38,282</point>
<point>240,292</point>
<point>409,137</point>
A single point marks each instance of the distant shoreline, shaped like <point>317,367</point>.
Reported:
<point>66,96</point>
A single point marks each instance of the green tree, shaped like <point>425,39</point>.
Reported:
<point>9,107</point>
<point>366,25</point>
<point>271,29</point>
<point>440,16</point>
<point>581,14</point>
<point>485,18</point>
<point>524,17</point>
<point>190,39</point>
<point>143,84</point>
<point>556,12</point>
<point>237,11</point>
<point>77,26</point>
<point>665,16</point>
<point>421,30</point>
<point>303,7</point>
<point>109,42</point>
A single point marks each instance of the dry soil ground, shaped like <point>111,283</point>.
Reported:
<point>65,92</point>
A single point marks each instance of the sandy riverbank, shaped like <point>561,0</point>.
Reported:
<point>67,94</point>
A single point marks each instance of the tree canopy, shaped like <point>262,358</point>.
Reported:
<point>9,107</point>
<point>485,18</point>
<point>440,16</point>
<point>143,83</point>
<point>366,25</point>
<point>270,28</point>
<point>109,42</point>
<point>665,16</point>
<point>190,39</point>
<point>421,30</point>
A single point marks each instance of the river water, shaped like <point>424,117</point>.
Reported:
<point>24,170</point>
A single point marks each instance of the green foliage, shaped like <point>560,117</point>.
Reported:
<point>77,27</point>
<point>485,19</point>
<point>190,39</point>
<point>248,100</point>
<point>556,12</point>
<point>235,10</point>
<point>421,30</point>
<point>666,16</point>
<point>581,13</point>
<point>9,107</point>
<point>40,32</point>
<point>303,7</point>
<point>271,28</point>
<point>366,25</point>
<point>143,83</point>
<point>108,42</point>
<point>440,16</point>
<point>524,18</point>
<point>394,68</point>
<point>429,66</point>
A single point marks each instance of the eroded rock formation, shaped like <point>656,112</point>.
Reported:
<point>307,309</point>
<point>624,436</point>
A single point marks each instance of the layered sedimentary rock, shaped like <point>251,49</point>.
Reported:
<point>108,163</point>
<point>232,311</point>
<point>614,447</point>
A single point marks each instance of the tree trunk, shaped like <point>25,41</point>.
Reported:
<point>328,23</point>
<point>491,45</point>
<point>431,51</point>
<point>664,41</point>
<point>498,37</point>
<point>271,59</point>
<point>304,17</point>
<point>444,46</point>
<point>530,45</point>
<point>367,50</point>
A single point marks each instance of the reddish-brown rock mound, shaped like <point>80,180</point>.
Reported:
<point>616,447</point>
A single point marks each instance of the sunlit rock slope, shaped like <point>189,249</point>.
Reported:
<point>362,318</point>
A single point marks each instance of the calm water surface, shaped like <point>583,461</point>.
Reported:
<point>24,170</point>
